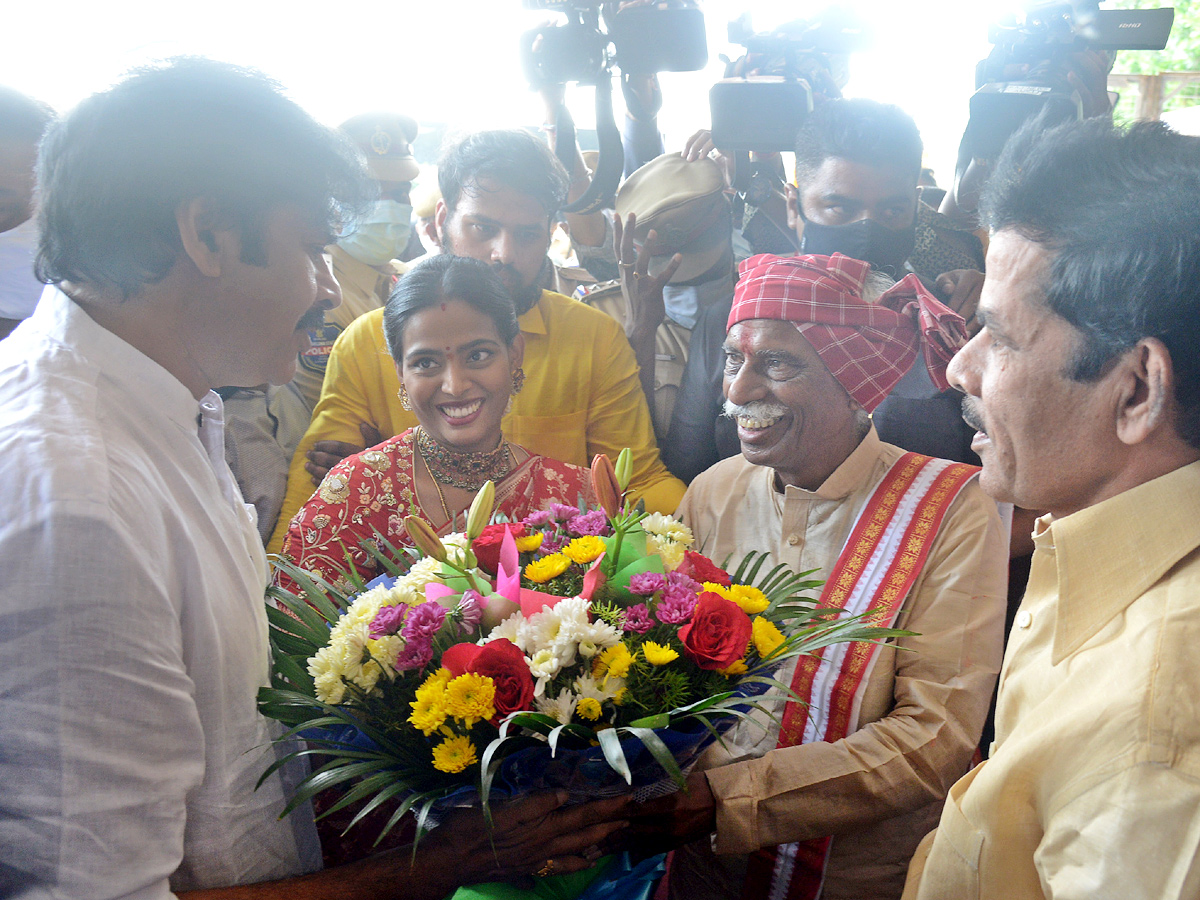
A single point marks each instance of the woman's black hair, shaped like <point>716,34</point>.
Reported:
<point>443,278</point>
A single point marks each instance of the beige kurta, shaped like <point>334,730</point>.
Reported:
<point>1093,787</point>
<point>880,789</point>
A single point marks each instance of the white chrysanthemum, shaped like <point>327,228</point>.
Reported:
<point>671,552</point>
<point>587,686</point>
<point>548,632</point>
<point>515,629</point>
<point>561,708</point>
<point>543,666</point>
<point>668,528</point>
<point>385,650</point>
<point>330,687</point>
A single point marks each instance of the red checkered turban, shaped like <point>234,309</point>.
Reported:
<point>868,347</point>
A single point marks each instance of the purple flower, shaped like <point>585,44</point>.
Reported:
<point>676,605</point>
<point>562,512</point>
<point>680,580</point>
<point>425,620</point>
<point>646,583</point>
<point>637,619</point>
<point>537,519</point>
<point>417,654</point>
<point>470,607</point>
<point>593,523</point>
<point>387,621</point>
<point>552,543</point>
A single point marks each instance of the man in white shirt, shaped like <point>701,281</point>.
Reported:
<point>184,215</point>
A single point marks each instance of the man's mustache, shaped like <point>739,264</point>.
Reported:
<point>757,409</point>
<point>313,319</point>
<point>971,414</point>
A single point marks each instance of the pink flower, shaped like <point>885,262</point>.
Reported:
<point>537,519</point>
<point>425,620</point>
<point>470,607</point>
<point>678,579</point>
<point>646,583</point>
<point>637,619</point>
<point>588,523</point>
<point>552,543</point>
<point>676,605</point>
<point>562,511</point>
<point>417,654</point>
<point>387,621</point>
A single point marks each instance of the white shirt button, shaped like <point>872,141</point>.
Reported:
<point>1024,618</point>
<point>793,540</point>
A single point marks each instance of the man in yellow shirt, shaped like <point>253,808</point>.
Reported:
<point>1084,385</point>
<point>582,394</point>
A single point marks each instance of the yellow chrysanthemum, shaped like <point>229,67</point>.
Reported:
<point>454,754</point>
<point>767,638</point>
<point>469,698</point>
<point>714,587</point>
<point>530,542</point>
<point>750,599</point>
<point>584,549</point>
<point>429,709</point>
<point>612,663</point>
<point>441,677</point>
<point>542,570</point>
<point>658,654</point>
<point>589,708</point>
<point>735,669</point>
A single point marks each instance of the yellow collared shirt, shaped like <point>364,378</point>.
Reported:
<point>1093,787</point>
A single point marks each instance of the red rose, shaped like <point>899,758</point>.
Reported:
<point>718,634</point>
<point>700,568</point>
<point>487,545</point>
<point>503,662</point>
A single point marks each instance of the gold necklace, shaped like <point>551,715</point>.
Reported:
<point>437,487</point>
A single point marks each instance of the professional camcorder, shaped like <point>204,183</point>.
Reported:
<point>1039,47</point>
<point>767,94</point>
<point>665,36</point>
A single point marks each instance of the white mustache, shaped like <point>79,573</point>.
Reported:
<point>758,409</point>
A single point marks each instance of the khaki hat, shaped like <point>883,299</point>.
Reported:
<point>684,203</point>
<point>385,139</point>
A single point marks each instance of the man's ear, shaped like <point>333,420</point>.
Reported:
<point>1146,393</point>
<point>439,222</point>
<point>793,208</point>
<point>203,242</point>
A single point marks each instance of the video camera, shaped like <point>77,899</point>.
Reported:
<point>768,93</point>
<point>1040,45</point>
<point>665,36</point>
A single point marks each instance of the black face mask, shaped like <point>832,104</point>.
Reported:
<point>886,249</point>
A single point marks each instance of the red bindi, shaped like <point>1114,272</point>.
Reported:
<point>443,307</point>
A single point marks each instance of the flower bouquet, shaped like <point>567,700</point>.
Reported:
<point>586,649</point>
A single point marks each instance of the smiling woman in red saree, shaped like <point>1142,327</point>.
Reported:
<point>451,327</point>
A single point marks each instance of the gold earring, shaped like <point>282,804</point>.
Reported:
<point>403,395</point>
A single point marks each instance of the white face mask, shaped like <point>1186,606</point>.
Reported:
<point>381,235</point>
<point>683,302</point>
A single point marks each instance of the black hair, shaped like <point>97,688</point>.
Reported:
<point>861,131</point>
<point>22,118</point>
<point>512,158</point>
<point>1119,210</point>
<point>113,172</point>
<point>446,277</point>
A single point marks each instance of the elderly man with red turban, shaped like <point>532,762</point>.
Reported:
<point>830,796</point>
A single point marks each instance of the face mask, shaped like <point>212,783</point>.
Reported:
<point>886,249</point>
<point>683,302</point>
<point>381,235</point>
